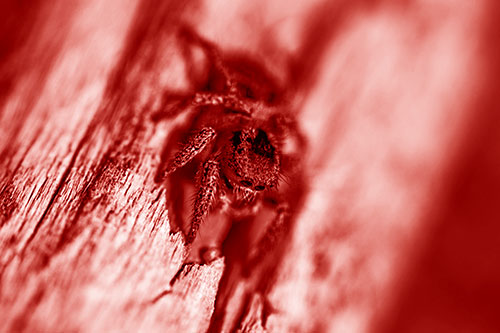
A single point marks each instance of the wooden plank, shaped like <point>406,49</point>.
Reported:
<point>85,227</point>
<point>85,238</point>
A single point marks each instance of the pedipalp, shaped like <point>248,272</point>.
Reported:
<point>195,145</point>
<point>208,180</point>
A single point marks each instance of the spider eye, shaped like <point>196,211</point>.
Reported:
<point>259,188</point>
<point>262,146</point>
<point>246,183</point>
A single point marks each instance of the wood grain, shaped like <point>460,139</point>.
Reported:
<point>387,101</point>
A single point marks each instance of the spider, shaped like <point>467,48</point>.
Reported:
<point>243,143</point>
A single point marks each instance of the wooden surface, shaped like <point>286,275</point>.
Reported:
<point>397,105</point>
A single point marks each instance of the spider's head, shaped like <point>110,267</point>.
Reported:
<point>253,161</point>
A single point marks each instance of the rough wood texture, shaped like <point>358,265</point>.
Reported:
<point>396,108</point>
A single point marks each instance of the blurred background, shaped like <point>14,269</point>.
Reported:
<point>399,104</point>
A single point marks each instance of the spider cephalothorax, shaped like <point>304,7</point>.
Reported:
<point>252,162</point>
<point>243,163</point>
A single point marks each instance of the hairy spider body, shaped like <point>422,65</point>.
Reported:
<point>241,156</point>
<point>242,162</point>
<point>239,129</point>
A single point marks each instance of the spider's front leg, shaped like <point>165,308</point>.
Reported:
<point>208,181</point>
<point>195,145</point>
<point>272,236</point>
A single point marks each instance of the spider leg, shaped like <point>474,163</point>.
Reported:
<point>230,101</point>
<point>212,53</point>
<point>208,178</point>
<point>196,144</point>
<point>272,235</point>
<point>172,105</point>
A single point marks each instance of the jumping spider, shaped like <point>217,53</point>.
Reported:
<point>244,143</point>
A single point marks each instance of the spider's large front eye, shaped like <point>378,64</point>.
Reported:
<point>262,146</point>
<point>246,183</point>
